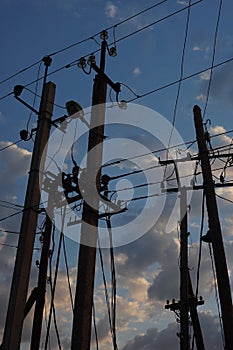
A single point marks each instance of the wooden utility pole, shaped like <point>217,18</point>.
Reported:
<point>223,282</point>
<point>82,321</point>
<point>188,301</point>
<point>184,273</point>
<point>21,275</point>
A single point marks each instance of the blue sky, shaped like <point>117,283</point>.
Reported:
<point>147,269</point>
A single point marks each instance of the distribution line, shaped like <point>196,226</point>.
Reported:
<point>73,63</point>
<point>10,145</point>
<point>19,212</point>
<point>14,246</point>
<point>224,198</point>
<point>10,203</point>
<point>164,149</point>
<point>83,40</point>
<point>181,74</point>
<point>19,72</point>
<point>213,58</point>
<point>165,86</point>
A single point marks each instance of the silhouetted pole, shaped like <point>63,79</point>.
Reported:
<point>184,273</point>
<point>223,282</point>
<point>21,275</point>
<point>82,321</point>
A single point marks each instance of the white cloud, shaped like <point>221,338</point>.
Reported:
<point>111,10</point>
<point>205,75</point>
<point>137,71</point>
<point>196,48</point>
<point>201,97</point>
<point>181,2</point>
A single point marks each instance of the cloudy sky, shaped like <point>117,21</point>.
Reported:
<point>155,49</point>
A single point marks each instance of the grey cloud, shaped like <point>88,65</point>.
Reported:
<point>167,339</point>
<point>221,86</point>
<point>153,339</point>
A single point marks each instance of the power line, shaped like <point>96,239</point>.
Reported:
<point>21,211</point>
<point>10,203</point>
<point>147,154</point>
<point>216,294</point>
<point>225,199</point>
<point>165,86</point>
<point>190,143</point>
<point>19,72</point>
<point>157,21</point>
<point>10,216</point>
<point>53,284</point>
<point>35,95</point>
<point>9,245</point>
<point>213,58</point>
<point>83,40</point>
<point>116,41</point>
<point>181,73</point>
<point>105,287</point>
<point>95,326</point>
<point>67,272</point>
<point>179,84</point>
<point>14,246</point>
<point>162,87</point>
<point>113,274</point>
<point>7,231</point>
<point>10,145</point>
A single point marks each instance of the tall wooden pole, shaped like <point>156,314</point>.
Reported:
<point>223,282</point>
<point>184,273</point>
<point>82,321</point>
<point>21,275</point>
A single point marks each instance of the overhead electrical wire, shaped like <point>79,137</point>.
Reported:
<point>216,294</point>
<point>179,84</point>
<point>181,72</point>
<point>160,88</point>
<point>113,276</point>
<point>147,154</point>
<point>67,272</point>
<point>213,58</point>
<point>165,86</point>
<point>11,203</point>
<point>34,99</point>
<point>116,41</point>
<point>19,72</point>
<point>53,284</point>
<point>11,215</point>
<point>14,246</point>
<point>10,145</point>
<point>225,199</point>
<point>84,40</point>
<point>9,245</point>
<point>95,326</point>
<point>105,287</point>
